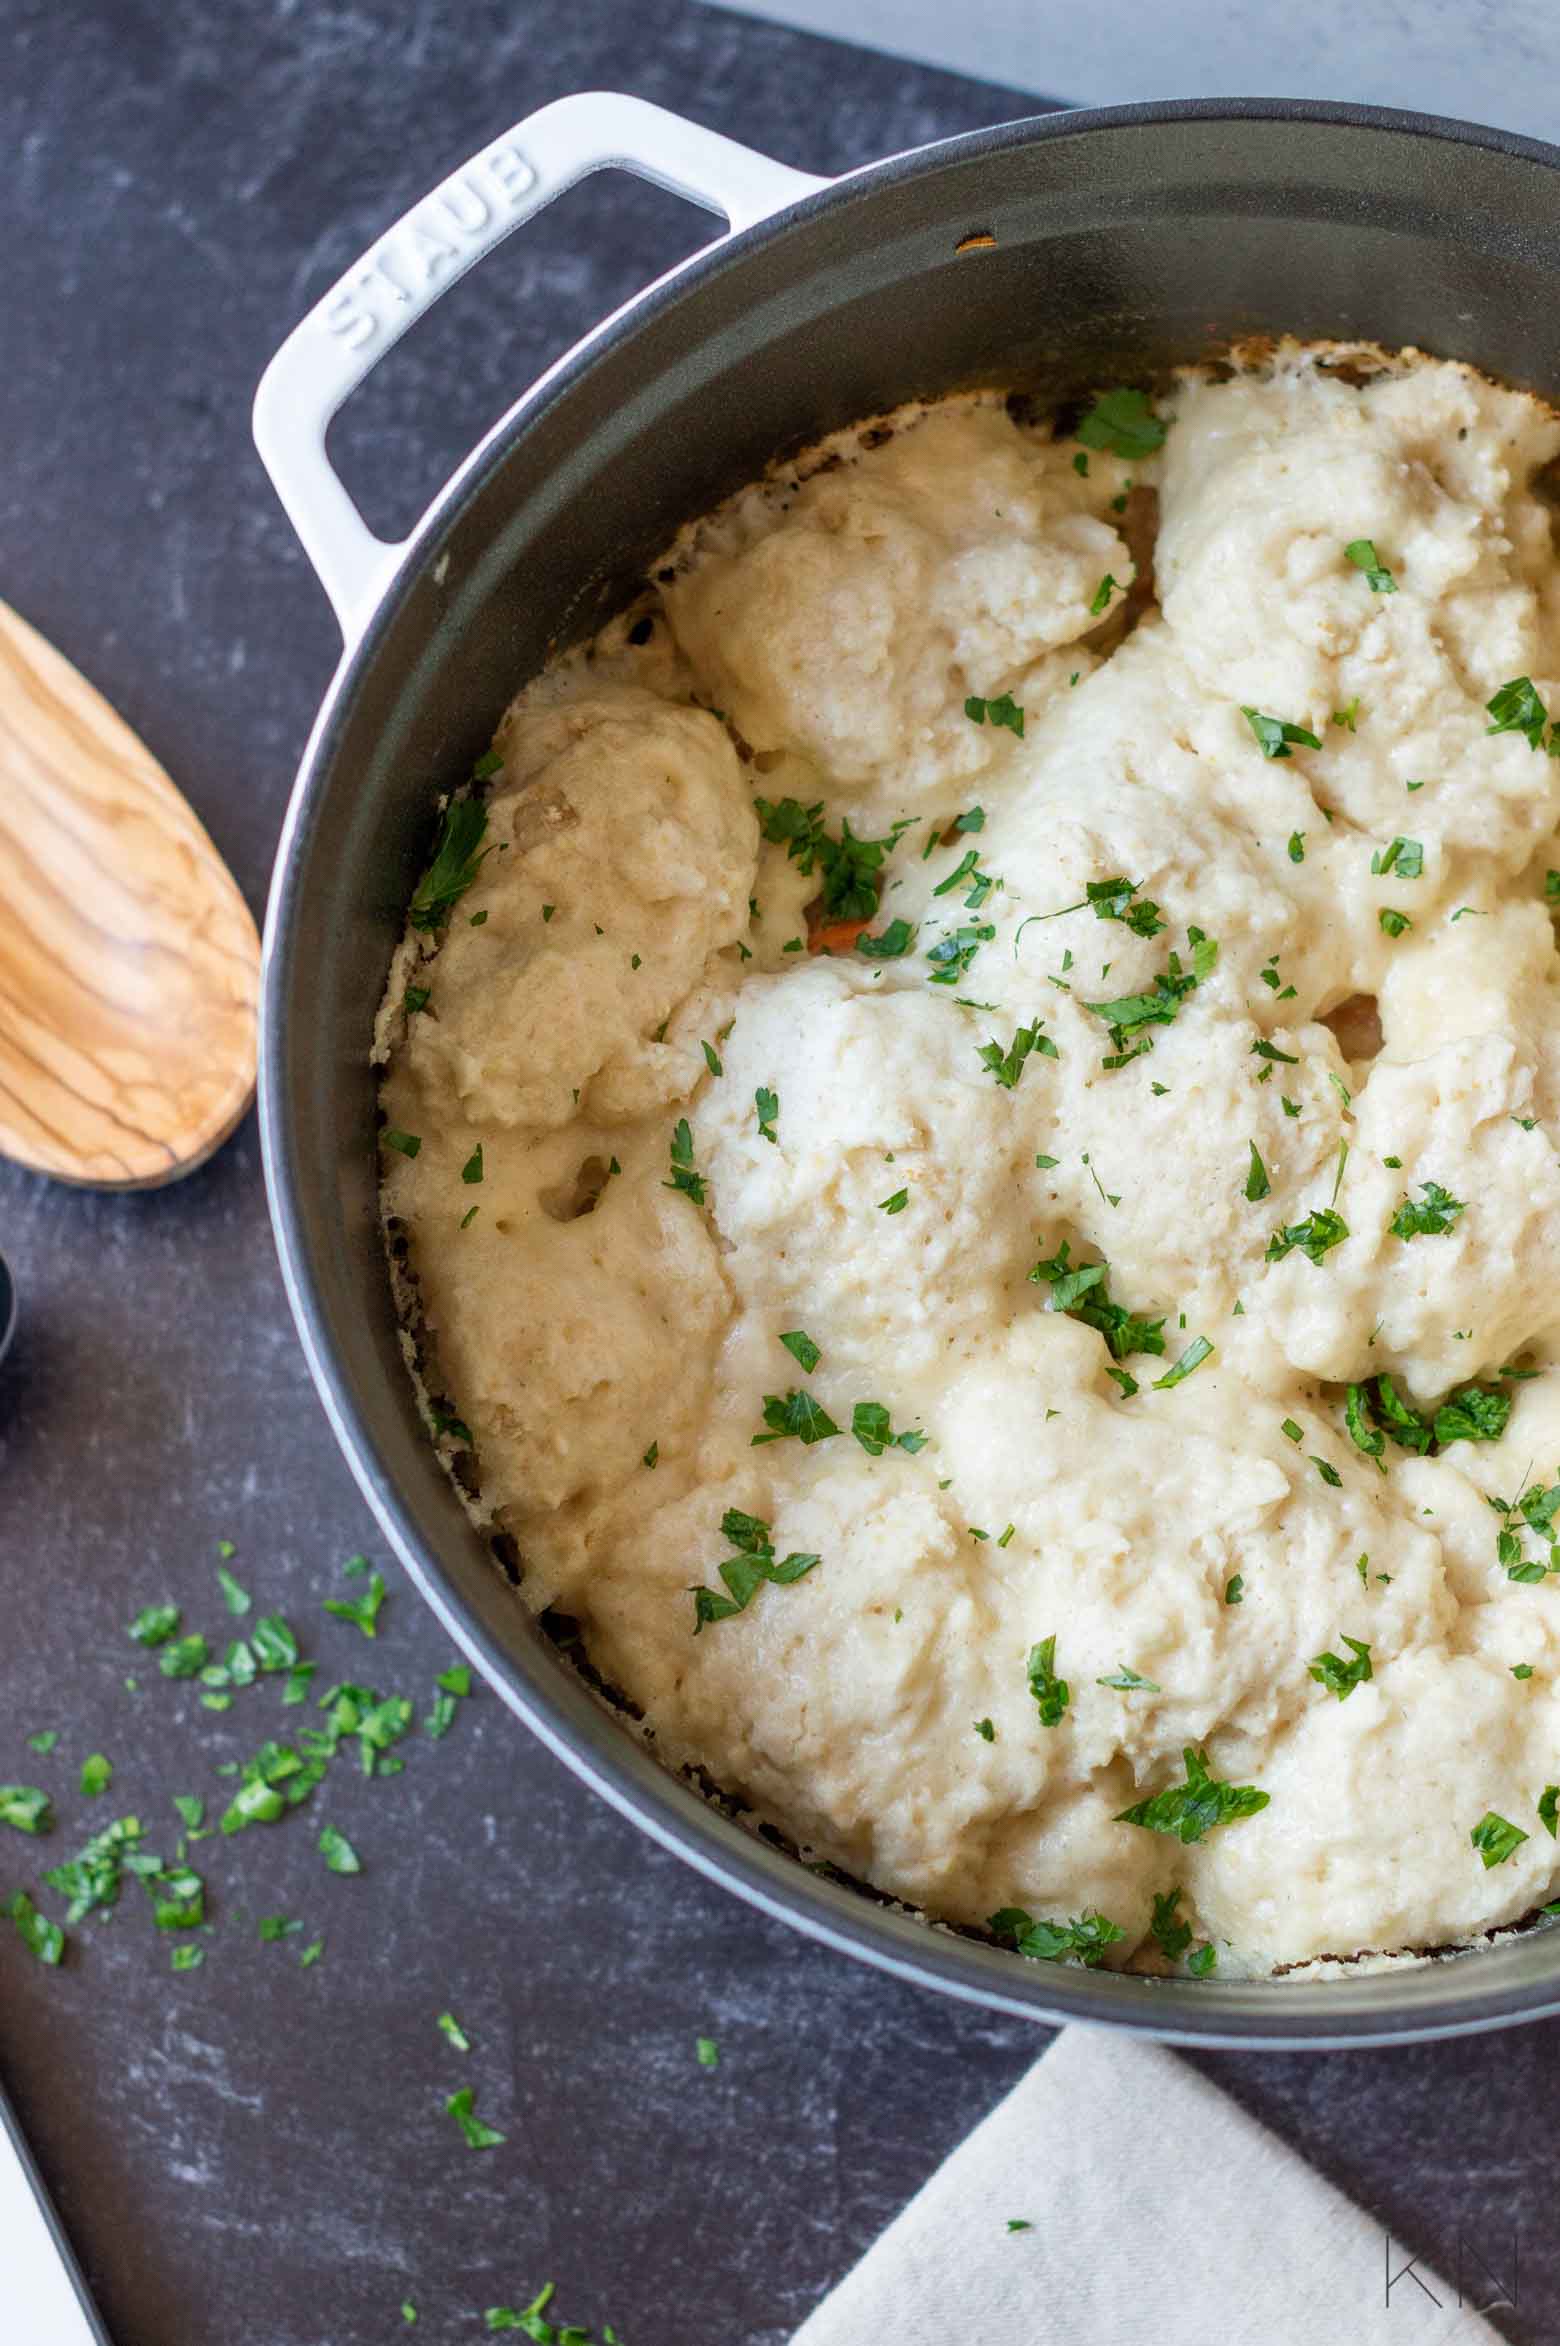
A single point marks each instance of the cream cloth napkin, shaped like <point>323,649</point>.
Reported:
<point>1160,2212</point>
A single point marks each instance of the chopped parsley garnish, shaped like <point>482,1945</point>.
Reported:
<point>1549,1806</point>
<point>1432,1217</point>
<point>1171,1934</point>
<point>1086,1937</point>
<point>683,1177</point>
<point>1128,1014</point>
<point>416,998</point>
<point>1263,1049</point>
<point>1002,711</point>
<point>870,1424</point>
<point>1273,735</point>
<point>1348,717</point>
<point>1050,1692</point>
<point>460,2107</point>
<point>1496,1838</point>
<point>1081,1290</point>
<point>455,864</point>
<point>1392,923</point>
<point>849,866</point>
<point>1113,900</point>
<point>405,1144</point>
<point>1362,1433</point>
<point>338,1852</point>
<point>1328,1472</point>
<point>1193,1357</point>
<point>1517,708</point>
<point>1122,423</point>
<point>1128,1682</point>
<point>985,1730</point>
<point>1257,1182</point>
<point>1008,1065</point>
<point>890,945</point>
<point>1340,1677</point>
<point>895,1204</point>
<point>746,1570</point>
<point>1234,1589</point>
<point>1107,587</point>
<point>1194,1808</point>
<point>1316,1236</point>
<point>952,954</point>
<point>1406,857</point>
<point>451,2028</point>
<point>25,1807</point>
<point>1362,553</point>
<point>968,868</point>
<point>802,1349</point>
<point>795,1414</point>
<point>1297,847</point>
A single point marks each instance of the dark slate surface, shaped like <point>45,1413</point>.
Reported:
<point>252,2150</point>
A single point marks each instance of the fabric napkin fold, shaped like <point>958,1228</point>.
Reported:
<point>1159,2211</point>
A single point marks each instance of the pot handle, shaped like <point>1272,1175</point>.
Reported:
<point>349,330</point>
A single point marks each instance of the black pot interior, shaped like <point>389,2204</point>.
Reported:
<point>1125,243</point>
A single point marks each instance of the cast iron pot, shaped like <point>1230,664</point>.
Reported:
<point>1057,253</point>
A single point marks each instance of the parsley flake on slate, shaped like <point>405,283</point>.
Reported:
<point>25,1807</point>
<point>1257,1182</point>
<point>44,1741</point>
<point>1085,1937</point>
<point>338,1852</point>
<point>38,1934</point>
<point>1496,1838</point>
<point>479,2136</point>
<point>363,1611</point>
<point>683,1177</point>
<point>802,1349</point>
<point>706,2052</point>
<point>97,1773</point>
<point>450,2027</point>
<point>1362,553</point>
<point>1340,1677</point>
<point>1008,1065</point>
<point>1189,1810</point>
<point>1432,1217</point>
<point>1051,1693</point>
<point>1273,735</point>
<point>185,1657</point>
<point>766,1105</point>
<point>745,1571</point>
<point>1122,423</point>
<point>794,1414</point>
<point>455,864</point>
<point>1517,708</point>
<point>1019,2224</point>
<point>871,1426</point>
<point>1315,1237</point>
<point>1002,711</point>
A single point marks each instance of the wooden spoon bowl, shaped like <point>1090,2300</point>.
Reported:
<point>129,964</point>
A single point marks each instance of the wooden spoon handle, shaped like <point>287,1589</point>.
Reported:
<point>129,964</point>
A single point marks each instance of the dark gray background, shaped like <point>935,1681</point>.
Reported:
<point>251,2150</point>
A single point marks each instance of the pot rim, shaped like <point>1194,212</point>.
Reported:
<point>1265,2014</point>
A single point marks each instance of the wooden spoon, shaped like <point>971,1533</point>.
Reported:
<point>129,965</point>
